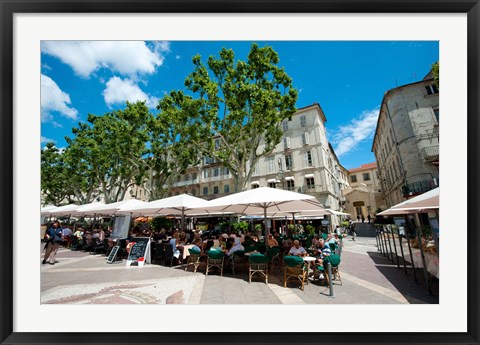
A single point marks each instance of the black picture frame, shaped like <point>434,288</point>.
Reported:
<point>10,7</point>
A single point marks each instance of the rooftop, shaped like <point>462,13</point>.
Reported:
<point>364,167</point>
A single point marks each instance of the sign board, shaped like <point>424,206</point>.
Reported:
<point>113,254</point>
<point>358,203</point>
<point>121,226</point>
<point>325,222</point>
<point>140,249</point>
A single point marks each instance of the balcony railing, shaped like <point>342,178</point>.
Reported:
<point>430,153</point>
<point>419,187</point>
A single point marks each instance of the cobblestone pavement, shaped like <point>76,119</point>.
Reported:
<point>367,278</point>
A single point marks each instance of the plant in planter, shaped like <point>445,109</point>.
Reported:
<point>240,226</point>
<point>310,229</point>
<point>291,229</point>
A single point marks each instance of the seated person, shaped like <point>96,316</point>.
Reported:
<point>334,239</point>
<point>197,244</point>
<point>236,246</point>
<point>315,241</point>
<point>323,251</point>
<point>297,250</point>
<point>272,242</point>
<point>173,243</point>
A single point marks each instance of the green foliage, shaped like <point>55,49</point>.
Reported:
<point>53,184</point>
<point>234,102</point>
<point>161,222</point>
<point>436,74</point>
<point>310,229</point>
<point>345,224</point>
<point>240,226</point>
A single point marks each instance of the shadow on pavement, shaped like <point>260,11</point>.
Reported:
<point>414,291</point>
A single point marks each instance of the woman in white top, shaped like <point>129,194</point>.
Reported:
<point>237,245</point>
<point>173,243</point>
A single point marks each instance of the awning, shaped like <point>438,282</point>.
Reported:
<point>255,183</point>
<point>272,180</point>
<point>309,175</point>
<point>289,178</point>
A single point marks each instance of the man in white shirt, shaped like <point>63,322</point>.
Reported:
<point>297,250</point>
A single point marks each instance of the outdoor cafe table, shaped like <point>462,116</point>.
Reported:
<point>309,260</point>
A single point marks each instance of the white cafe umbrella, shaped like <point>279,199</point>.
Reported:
<point>266,199</point>
<point>65,210</point>
<point>176,205</point>
<point>421,203</point>
<point>88,209</point>
<point>119,206</point>
<point>47,209</point>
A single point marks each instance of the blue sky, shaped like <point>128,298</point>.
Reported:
<point>347,79</point>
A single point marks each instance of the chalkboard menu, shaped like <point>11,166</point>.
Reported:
<point>113,254</point>
<point>140,249</point>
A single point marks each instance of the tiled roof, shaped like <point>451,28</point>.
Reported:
<point>364,167</point>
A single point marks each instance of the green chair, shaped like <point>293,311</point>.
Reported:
<point>334,260</point>
<point>257,263</point>
<point>237,257</point>
<point>215,259</point>
<point>273,254</point>
<point>194,259</point>
<point>333,247</point>
<point>295,268</point>
<point>249,249</point>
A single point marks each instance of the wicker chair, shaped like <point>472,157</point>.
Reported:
<point>237,257</point>
<point>194,259</point>
<point>215,259</point>
<point>258,263</point>
<point>334,260</point>
<point>273,254</point>
<point>296,269</point>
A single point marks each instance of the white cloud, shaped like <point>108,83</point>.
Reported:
<point>347,138</point>
<point>118,91</point>
<point>45,140</point>
<point>178,57</point>
<point>128,58</point>
<point>54,100</point>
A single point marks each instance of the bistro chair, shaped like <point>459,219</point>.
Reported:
<point>334,260</point>
<point>237,257</point>
<point>273,254</point>
<point>168,254</point>
<point>158,252</point>
<point>296,269</point>
<point>194,259</point>
<point>333,247</point>
<point>258,263</point>
<point>215,259</point>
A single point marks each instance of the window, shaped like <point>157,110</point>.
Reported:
<point>270,163</point>
<point>286,143</point>
<point>226,188</point>
<point>366,176</point>
<point>431,89</point>
<point>255,185</point>
<point>194,176</point>
<point>285,125</point>
<point>226,171</point>
<point>194,192</point>
<point>217,144</point>
<point>216,172</point>
<point>310,182</point>
<point>206,173</point>
<point>215,189</point>
<point>436,111</point>
<point>288,162</point>
<point>187,177</point>
<point>303,121</point>
<point>353,178</point>
<point>209,160</point>
<point>272,184</point>
<point>291,184</point>
<point>205,190</point>
<point>305,139</point>
<point>307,159</point>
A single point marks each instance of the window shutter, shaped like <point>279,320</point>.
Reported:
<point>307,139</point>
<point>305,160</point>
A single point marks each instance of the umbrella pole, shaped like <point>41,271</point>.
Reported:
<point>266,227</point>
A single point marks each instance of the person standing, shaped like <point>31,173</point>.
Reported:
<point>369,218</point>
<point>363,219</point>
<point>54,239</point>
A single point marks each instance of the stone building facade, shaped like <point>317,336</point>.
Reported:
<point>406,141</point>
<point>303,162</point>
<point>364,195</point>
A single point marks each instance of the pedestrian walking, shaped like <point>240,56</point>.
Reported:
<point>369,218</point>
<point>363,219</point>
<point>352,231</point>
<point>358,217</point>
<point>54,239</point>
